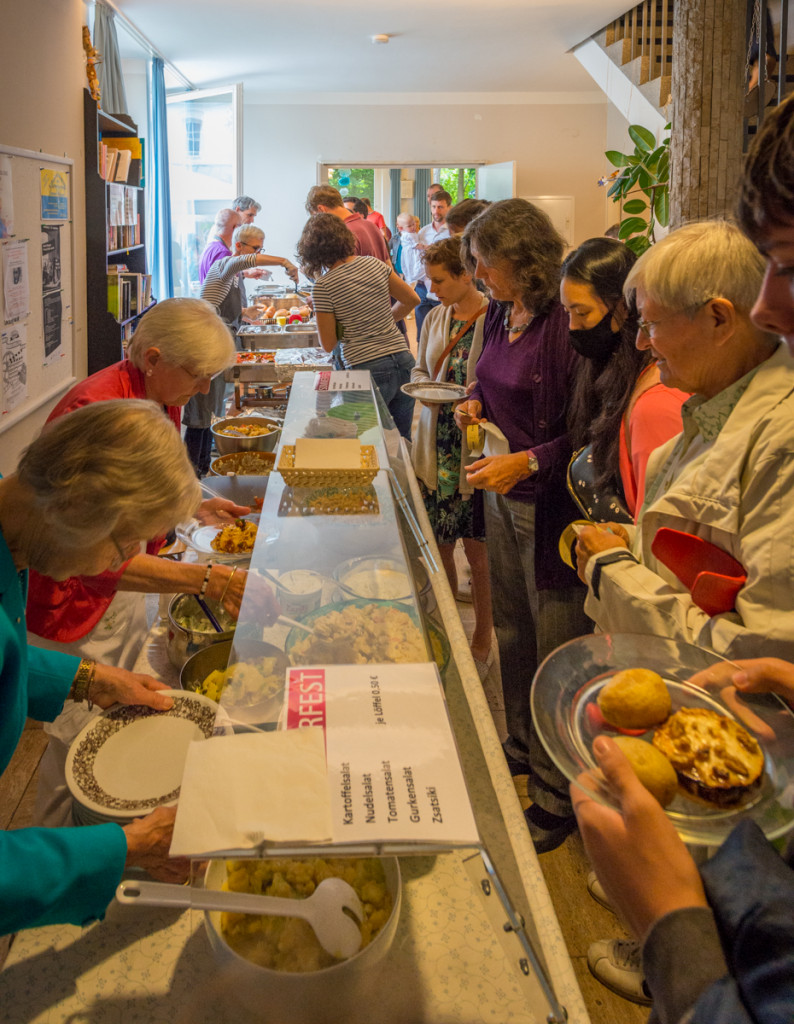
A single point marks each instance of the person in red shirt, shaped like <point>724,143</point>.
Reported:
<point>369,240</point>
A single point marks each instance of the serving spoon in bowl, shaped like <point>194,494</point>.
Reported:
<point>328,910</point>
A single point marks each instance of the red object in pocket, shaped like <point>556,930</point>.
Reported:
<point>711,575</point>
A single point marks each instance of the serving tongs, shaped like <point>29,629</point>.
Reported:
<point>333,910</point>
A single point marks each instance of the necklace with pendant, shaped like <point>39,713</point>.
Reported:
<point>516,328</point>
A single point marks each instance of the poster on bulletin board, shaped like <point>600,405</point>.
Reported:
<point>54,194</point>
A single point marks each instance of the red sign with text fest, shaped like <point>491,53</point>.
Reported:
<point>306,698</point>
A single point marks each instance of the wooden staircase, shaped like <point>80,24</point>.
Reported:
<point>640,43</point>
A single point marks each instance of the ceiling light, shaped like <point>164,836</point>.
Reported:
<point>381,38</point>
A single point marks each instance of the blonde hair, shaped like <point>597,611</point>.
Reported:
<point>706,260</point>
<point>248,234</point>
<point>116,466</point>
<point>188,333</point>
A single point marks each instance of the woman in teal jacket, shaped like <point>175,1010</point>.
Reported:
<point>88,490</point>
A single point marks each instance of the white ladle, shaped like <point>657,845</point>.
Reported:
<point>337,933</point>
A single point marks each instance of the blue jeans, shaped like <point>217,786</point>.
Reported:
<point>529,624</point>
<point>423,308</point>
<point>390,373</point>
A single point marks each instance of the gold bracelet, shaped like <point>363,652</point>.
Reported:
<point>81,687</point>
<point>223,595</point>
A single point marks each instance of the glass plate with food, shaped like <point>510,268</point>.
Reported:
<point>712,756</point>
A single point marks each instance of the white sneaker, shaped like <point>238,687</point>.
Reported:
<point>596,890</point>
<point>617,964</point>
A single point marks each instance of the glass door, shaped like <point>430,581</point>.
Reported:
<point>204,147</point>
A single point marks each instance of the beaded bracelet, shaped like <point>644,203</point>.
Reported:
<point>83,681</point>
<point>206,580</point>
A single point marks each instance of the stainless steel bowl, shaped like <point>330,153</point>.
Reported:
<point>264,709</point>
<point>227,445</point>
<point>257,464</point>
<point>182,643</point>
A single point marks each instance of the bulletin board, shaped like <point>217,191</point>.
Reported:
<point>37,356</point>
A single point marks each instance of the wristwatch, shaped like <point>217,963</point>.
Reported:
<point>532,462</point>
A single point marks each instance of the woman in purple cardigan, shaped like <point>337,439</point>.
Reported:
<point>524,378</point>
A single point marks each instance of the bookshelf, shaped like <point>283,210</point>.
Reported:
<point>115,235</point>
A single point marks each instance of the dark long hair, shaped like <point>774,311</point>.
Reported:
<point>323,242</point>
<point>602,389</point>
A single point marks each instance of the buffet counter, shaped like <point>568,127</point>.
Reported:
<point>459,955</point>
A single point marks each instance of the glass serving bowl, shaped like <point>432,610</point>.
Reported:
<point>565,714</point>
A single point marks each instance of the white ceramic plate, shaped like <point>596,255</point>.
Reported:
<point>434,392</point>
<point>130,759</point>
<point>200,538</point>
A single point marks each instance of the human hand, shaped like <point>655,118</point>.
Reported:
<point>219,511</point>
<point>498,473</point>
<point>754,675</point>
<point>291,270</point>
<point>261,600</point>
<point>114,685</point>
<point>599,537</point>
<point>227,584</point>
<point>640,860</point>
<point>148,843</point>
<point>468,413</point>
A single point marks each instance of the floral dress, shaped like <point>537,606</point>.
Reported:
<point>452,515</point>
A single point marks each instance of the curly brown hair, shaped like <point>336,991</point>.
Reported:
<point>766,195</point>
<point>324,241</point>
<point>515,232</point>
<point>445,253</point>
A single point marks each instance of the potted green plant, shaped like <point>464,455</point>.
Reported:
<point>644,174</point>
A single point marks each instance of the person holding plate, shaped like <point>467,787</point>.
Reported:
<point>92,485</point>
<point>717,944</point>
<point>449,348</point>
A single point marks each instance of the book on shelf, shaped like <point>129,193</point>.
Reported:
<point>134,163</point>
<point>111,163</point>
<point>123,165</point>
<point>128,293</point>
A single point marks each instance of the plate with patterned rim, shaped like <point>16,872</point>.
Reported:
<point>129,759</point>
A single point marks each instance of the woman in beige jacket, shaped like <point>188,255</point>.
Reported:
<point>449,347</point>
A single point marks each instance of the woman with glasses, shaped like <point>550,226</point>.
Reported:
<point>223,288</point>
<point>716,944</point>
<point>728,477</point>
<point>101,479</point>
<point>177,348</point>
<point>619,406</point>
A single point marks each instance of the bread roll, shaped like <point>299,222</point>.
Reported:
<point>651,767</point>
<point>635,698</point>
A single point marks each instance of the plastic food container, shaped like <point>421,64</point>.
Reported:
<point>335,993</point>
<point>299,591</point>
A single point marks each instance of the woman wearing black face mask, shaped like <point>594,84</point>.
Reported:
<point>618,404</point>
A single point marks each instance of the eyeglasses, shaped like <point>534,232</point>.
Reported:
<point>125,553</point>
<point>255,248</point>
<point>196,377</point>
<point>646,325</point>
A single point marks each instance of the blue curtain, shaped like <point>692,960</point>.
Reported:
<point>394,196</point>
<point>158,191</point>
<point>111,81</point>
<point>422,179</point>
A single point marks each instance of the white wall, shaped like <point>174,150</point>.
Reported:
<point>558,148</point>
<point>42,75</point>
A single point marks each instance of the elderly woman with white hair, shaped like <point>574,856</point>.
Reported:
<point>223,288</point>
<point>175,351</point>
<point>94,484</point>
<point>728,477</point>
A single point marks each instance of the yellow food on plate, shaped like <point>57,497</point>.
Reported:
<point>715,758</point>
<point>635,698</point>
<point>236,538</point>
<point>289,943</point>
<point>651,767</point>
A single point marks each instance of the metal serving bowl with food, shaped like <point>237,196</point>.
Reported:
<point>189,629</point>
<point>279,960</point>
<point>244,463</point>
<point>246,434</point>
<point>251,684</point>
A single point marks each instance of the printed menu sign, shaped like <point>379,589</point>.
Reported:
<point>393,768</point>
<point>342,380</point>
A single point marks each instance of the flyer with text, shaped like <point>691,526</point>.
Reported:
<point>393,768</point>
